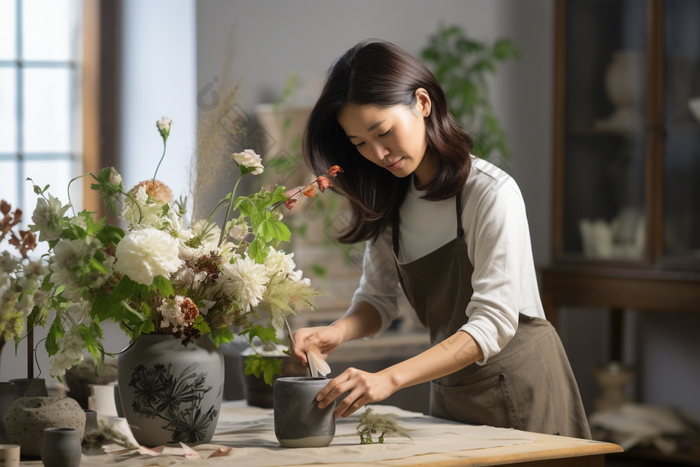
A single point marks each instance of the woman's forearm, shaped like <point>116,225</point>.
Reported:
<point>361,320</point>
<point>454,353</point>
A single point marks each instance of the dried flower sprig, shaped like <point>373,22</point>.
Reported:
<point>322,182</point>
<point>372,423</point>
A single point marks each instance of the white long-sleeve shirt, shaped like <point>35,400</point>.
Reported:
<point>498,244</point>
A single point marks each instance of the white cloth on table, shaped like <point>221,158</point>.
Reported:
<point>250,432</point>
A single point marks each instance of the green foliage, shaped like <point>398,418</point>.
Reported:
<point>258,365</point>
<point>373,423</point>
<point>461,65</point>
<point>265,334</point>
<point>118,305</point>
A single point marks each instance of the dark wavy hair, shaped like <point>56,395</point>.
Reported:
<point>380,74</point>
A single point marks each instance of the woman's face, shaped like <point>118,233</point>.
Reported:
<point>393,138</point>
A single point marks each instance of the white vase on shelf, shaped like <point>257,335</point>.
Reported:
<point>624,83</point>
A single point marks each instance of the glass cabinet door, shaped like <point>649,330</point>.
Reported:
<point>604,141</point>
<point>681,233</point>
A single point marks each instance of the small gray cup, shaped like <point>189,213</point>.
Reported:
<point>61,448</point>
<point>298,420</point>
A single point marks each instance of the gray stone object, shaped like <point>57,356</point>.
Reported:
<point>33,387</point>
<point>30,416</point>
<point>8,395</point>
<point>298,420</point>
<point>61,448</point>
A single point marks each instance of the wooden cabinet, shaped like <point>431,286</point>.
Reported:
<point>626,158</point>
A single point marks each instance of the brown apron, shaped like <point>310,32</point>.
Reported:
<point>528,385</point>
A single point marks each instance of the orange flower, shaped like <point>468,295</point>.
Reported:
<point>289,204</point>
<point>156,190</point>
<point>333,171</point>
<point>309,191</point>
<point>323,183</point>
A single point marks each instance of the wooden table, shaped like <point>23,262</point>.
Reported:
<point>546,451</point>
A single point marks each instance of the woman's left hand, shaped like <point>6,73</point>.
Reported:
<point>364,388</point>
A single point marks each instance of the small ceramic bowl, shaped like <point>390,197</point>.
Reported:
<point>298,420</point>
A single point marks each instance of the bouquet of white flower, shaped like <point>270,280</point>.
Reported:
<point>159,276</point>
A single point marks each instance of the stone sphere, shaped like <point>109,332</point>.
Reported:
<point>29,416</point>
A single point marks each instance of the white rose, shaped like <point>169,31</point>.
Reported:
<point>249,159</point>
<point>145,254</point>
<point>248,280</point>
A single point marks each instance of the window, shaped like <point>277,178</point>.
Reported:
<point>40,99</point>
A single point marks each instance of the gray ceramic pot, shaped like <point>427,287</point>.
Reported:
<point>118,401</point>
<point>91,420</point>
<point>8,395</point>
<point>169,392</point>
<point>61,448</point>
<point>34,387</point>
<point>298,420</point>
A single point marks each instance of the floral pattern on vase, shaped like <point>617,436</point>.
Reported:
<point>175,399</point>
<point>169,392</point>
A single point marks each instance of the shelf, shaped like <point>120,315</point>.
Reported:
<point>586,131</point>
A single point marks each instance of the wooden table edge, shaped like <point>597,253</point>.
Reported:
<point>500,455</point>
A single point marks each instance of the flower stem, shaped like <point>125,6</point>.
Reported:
<point>230,208</point>
<point>161,159</point>
<point>68,189</point>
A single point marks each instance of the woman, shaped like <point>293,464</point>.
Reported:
<point>451,230</point>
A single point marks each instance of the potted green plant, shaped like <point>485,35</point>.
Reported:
<point>461,65</point>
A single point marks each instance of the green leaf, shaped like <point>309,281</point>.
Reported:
<point>93,346</point>
<point>98,266</point>
<point>163,285</point>
<point>265,334</point>
<point>147,327</point>
<point>268,231</point>
<point>257,251</point>
<point>131,315</point>
<point>283,233</point>
<point>102,309</point>
<point>55,332</point>
<point>221,335</point>
<point>201,325</point>
<point>268,367</point>
<point>46,284</point>
<point>31,319</point>
<point>126,288</point>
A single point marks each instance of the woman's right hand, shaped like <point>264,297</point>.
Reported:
<point>323,339</point>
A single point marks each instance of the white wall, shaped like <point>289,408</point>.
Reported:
<point>158,79</point>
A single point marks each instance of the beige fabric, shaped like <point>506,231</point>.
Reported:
<point>250,431</point>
